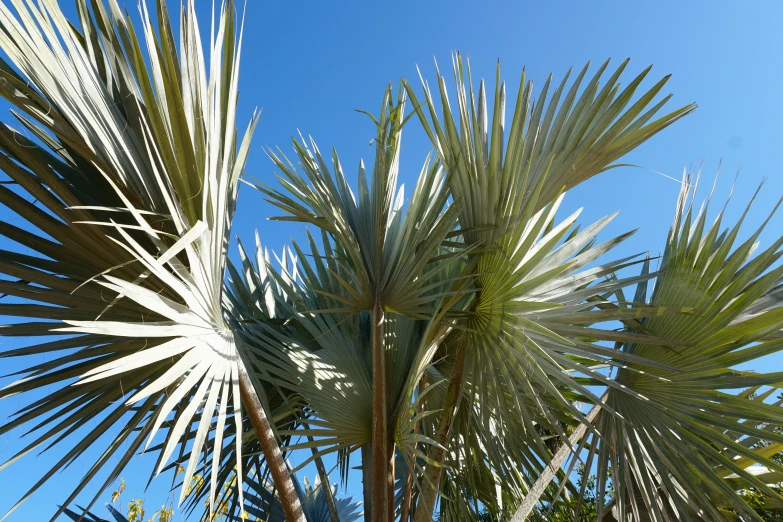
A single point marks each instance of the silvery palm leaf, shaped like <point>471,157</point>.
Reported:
<point>135,173</point>
<point>525,324</point>
<point>528,342</point>
<point>683,435</point>
<point>558,141</point>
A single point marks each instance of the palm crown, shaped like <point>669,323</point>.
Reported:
<point>451,338</point>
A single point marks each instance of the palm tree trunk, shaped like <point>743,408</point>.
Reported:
<point>429,484</point>
<point>545,478</point>
<point>367,480</point>
<point>292,507</point>
<point>326,486</point>
<point>382,503</point>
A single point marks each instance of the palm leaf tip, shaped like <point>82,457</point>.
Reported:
<point>559,140</point>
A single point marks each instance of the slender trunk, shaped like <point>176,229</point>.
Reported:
<point>326,486</point>
<point>429,484</point>
<point>367,480</point>
<point>543,480</point>
<point>292,507</point>
<point>380,421</point>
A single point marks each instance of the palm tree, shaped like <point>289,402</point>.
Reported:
<point>135,166</point>
<point>451,342</point>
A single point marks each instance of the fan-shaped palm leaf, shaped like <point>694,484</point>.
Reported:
<point>680,438</point>
<point>507,190</point>
<point>555,142</point>
<point>136,168</point>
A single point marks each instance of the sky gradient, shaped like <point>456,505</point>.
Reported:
<point>310,65</point>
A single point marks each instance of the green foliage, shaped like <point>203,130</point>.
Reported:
<point>564,510</point>
<point>712,433</point>
<point>463,329</point>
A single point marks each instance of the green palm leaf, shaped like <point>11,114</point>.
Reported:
<point>509,190</point>
<point>555,142</point>
<point>672,448</point>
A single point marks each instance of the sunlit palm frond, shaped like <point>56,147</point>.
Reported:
<point>134,166</point>
<point>557,142</point>
<point>529,352</point>
<point>674,445</point>
<point>386,243</point>
<point>531,308</point>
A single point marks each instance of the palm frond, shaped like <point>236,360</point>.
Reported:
<point>145,144</point>
<point>386,246</point>
<point>673,446</point>
<point>556,142</point>
<point>528,320</point>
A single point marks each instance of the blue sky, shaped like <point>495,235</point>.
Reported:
<point>309,65</point>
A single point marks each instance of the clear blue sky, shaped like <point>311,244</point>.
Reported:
<point>310,64</point>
